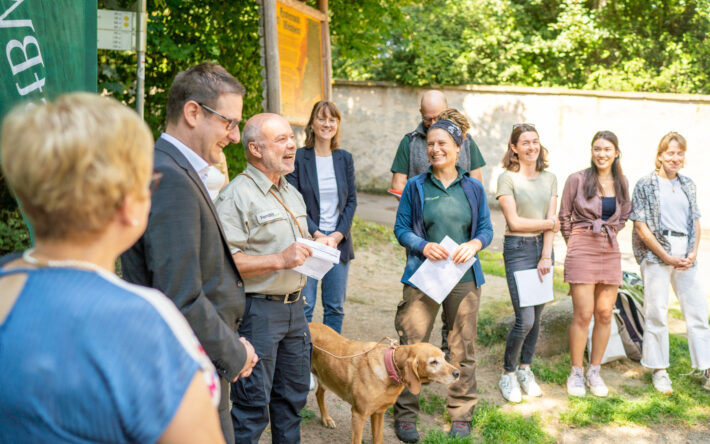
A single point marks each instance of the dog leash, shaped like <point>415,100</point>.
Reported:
<point>392,342</point>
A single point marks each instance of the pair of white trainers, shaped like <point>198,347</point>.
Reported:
<point>510,384</point>
<point>577,383</point>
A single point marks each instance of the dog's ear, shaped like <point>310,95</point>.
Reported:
<point>411,376</point>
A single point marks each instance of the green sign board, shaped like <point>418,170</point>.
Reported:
<point>48,48</point>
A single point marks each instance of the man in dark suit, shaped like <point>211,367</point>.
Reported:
<point>184,252</point>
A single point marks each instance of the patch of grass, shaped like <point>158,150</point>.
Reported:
<point>552,370</point>
<point>490,329</point>
<point>432,404</point>
<point>492,262</point>
<point>496,426</point>
<point>366,234</point>
<point>492,425</point>
<point>689,404</point>
<point>306,414</point>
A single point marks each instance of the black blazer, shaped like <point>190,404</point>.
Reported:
<point>184,254</point>
<point>305,178</point>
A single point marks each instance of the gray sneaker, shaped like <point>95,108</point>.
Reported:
<point>706,379</point>
<point>595,382</point>
<point>526,378</point>
<point>575,382</point>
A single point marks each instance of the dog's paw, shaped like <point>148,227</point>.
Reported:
<point>328,422</point>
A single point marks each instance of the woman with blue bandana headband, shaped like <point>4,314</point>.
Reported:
<point>442,202</point>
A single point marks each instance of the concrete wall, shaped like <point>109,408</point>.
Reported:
<point>377,115</point>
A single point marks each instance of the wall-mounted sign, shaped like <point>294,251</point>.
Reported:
<point>301,61</point>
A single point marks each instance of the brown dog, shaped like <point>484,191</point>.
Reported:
<point>358,373</point>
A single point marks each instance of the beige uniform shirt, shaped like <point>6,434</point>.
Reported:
<point>257,224</point>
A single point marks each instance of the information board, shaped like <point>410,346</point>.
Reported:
<point>300,43</point>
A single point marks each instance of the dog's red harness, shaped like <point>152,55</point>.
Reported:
<point>391,366</point>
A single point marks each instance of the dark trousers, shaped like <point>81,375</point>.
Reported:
<point>414,321</point>
<point>521,253</point>
<point>278,386</point>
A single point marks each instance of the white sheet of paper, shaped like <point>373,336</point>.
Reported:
<point>530,290</point>
<point>323,259</point>
<point>437,278</point>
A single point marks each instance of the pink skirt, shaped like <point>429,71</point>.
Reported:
<point>592,258</point>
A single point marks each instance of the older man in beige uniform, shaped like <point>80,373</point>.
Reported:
<point>263,215</point>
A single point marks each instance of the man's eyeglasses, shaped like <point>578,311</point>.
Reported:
<point>516,125</point>
<point>155,181</point>
<point>231,123</point>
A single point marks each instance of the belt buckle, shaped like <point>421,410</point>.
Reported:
<point>290,301</point>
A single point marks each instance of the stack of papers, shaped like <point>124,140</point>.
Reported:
<point>323,259</point>
<point>437,278</point>
<point>531,291</point>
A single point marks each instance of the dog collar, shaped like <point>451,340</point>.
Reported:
<point>391,366</point>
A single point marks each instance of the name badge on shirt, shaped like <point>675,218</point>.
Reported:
<point>268,216</point>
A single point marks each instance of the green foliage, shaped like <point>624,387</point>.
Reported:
<point>182,33</point>
<point>628,45</point>
<point>14,235</point>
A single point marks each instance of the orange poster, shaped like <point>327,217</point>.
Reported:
<point>300,63</point>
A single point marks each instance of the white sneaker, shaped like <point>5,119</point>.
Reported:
<point>313,383</point>
<point>662,382</point>
<point>706,379</point>
<point>509,387</point>
<point>575,382</point>
<point>526,378</point>
<point>595,382</point>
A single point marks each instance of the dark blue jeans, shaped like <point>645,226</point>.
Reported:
<point>278,386</point>
<point>521,253</point>
<point>333,288</point>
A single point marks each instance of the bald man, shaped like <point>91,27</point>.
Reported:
<point>263,215</point>
<point>411,159</point>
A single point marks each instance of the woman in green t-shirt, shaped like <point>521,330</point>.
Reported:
<point>527,194</point>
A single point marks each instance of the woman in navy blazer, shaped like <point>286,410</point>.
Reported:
<point>325,176</point>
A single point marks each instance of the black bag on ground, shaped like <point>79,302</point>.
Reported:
<point>630,319</point>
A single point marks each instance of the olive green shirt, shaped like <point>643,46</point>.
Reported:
<point>255,223</point>
<point>532,196</point>
<point>447,212</point>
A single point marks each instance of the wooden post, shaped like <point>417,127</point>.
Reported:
<point>327,68</point>
<point>271,56</point>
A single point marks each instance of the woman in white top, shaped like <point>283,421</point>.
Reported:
<point>665,239</point>
<point>325,176</point>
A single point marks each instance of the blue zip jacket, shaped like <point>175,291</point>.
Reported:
<point>409,225</point>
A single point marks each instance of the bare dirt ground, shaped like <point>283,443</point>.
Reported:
<point>373,293</point>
